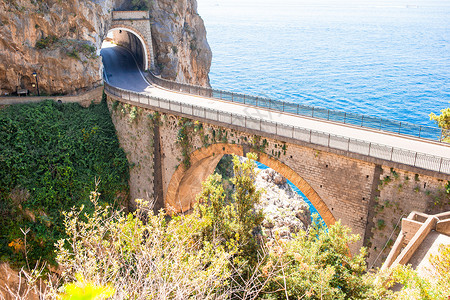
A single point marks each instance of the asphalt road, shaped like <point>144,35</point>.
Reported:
<point>122,71</point>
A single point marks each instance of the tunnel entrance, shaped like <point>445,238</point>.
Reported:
<point>132,41</point>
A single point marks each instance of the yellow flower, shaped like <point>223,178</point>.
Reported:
<point>17,244</point>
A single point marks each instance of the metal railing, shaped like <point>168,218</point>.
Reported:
<point>404,128</point>
<point>416,159</point>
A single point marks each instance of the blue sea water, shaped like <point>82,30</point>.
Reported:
<point>389,59</point>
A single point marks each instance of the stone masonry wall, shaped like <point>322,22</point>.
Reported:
<point>140,27</point>
<point>399,193</point>
<point>134,128</point>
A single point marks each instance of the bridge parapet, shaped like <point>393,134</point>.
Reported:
<point>374,123</point>
<point>131,15</point>
<point>363,150</point>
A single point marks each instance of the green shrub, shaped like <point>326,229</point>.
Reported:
<point>139,4</point>
<point>233,216</point>
<point>46,42</point>
<point>74,54</point>
<point>50,157</point>
<point>316,265</point>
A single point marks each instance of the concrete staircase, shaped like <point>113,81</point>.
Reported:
<point>420,236</point>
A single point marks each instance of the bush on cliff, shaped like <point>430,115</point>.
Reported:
<point>50,156</point>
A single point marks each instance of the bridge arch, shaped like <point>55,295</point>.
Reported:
<point>185,184</point>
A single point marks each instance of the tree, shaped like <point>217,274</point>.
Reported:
<point>233,218</point>
<point>443,121</point>
<point>317,265</point>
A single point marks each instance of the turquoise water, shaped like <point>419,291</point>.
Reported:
<point>388,59</point>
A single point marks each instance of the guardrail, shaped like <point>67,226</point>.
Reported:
<point>404,128</point>
<point>416,159</point>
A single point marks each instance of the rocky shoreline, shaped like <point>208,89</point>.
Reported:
<point>284,210</point>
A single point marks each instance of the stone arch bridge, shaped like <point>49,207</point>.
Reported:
<point>342,178</point>
<point>367,173</point>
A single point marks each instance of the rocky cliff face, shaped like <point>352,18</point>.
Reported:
<point>179,40</point>
<point>59,40</point>
<point>56,39</point>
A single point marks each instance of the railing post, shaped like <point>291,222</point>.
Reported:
<point>329,138</point>
<point>244,98</point>
<point>283,105</point>
<point>310,134</point>
<point>440,165</point>
<point>380,122</point>
<point>370,146</point>
<point>293,130</point>
<point>232,97</point>
<point>392,152</point>
<point>420,130</point>
<point>328,118</point>
<point>312,112</point>
<point>415,159</point>
<point>362,121</point>
<point>399,127</point>
<point>345,117</point>
<point>298,108</point>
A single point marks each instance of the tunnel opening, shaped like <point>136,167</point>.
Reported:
<point>130,40</point>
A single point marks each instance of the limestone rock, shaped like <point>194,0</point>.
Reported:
<point>56,39</point>
<point>60,41</point>
<point>181,50</point>
<point>285,211</point>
